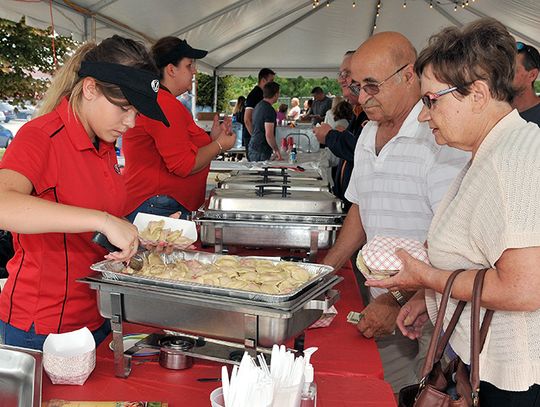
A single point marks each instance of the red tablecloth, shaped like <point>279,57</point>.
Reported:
<point>347,366</point>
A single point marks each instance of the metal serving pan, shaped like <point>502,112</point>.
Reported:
<point>114,271</point>
<point>212,316</point>
<point>262,233</point>
<point>20,377</point>
<point>295,202</point>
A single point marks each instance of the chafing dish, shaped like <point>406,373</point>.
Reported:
<point>271,217</point>
<point>220,322</point>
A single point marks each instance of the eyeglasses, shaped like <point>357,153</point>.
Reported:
<point>371,88</point>
<point>343,74</point>
<point>429,99</point>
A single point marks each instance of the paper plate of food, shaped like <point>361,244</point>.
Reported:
<point>155,230</point>
<point>377,260</point>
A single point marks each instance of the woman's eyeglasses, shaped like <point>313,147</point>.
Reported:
<point>371,88</point>
<point>429,99</point>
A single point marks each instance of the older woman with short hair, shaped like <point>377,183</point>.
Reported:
<point>490,216</point>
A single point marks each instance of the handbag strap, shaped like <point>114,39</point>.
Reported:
<point>478,336</point>
<point>431,353</point>
<point>439,342</point>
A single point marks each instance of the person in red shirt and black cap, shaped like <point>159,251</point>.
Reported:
<point>166,167</point>
<point>60,182</point>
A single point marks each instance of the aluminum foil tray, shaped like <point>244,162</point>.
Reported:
<point>114,271</point>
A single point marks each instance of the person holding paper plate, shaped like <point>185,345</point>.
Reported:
<point>60,182</point>
<point>166,167</point>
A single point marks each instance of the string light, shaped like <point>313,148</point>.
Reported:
<point>404,3</point>
<point>327,4</point>
<point>431,4</point>
<point>354,4</point>
<point>377,14</point>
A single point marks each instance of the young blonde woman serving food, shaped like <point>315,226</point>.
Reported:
<point>60,182</point>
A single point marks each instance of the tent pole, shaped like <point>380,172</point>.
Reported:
<point>194,96</point>
<point>215,90</point>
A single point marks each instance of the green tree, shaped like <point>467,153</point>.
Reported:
<point>25,51</point>
<point>289,87</point>
<point>205,91</point>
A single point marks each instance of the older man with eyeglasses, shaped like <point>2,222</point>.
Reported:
<point>527,69</point>
<point>400,175</point>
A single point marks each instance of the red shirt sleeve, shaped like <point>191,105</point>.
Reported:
<point>29,154</point>
<point>175,143</point>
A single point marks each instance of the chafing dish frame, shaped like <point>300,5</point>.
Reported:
<point>128,301</point>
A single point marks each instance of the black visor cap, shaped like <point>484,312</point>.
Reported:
<point>183,50</point>
<point>139,86</point>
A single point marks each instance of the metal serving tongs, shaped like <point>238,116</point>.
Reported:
<point>136,262</point>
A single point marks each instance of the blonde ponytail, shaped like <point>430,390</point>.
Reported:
<point>66,82</point>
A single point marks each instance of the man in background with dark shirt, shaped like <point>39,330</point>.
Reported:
<point>527,68</point>
<point>321,104</point>
<point>266,75</point>
<point>263,139</point>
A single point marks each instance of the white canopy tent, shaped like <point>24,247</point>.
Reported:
<point>290,36</point>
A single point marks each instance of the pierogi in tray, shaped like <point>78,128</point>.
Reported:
<point>249,274</point>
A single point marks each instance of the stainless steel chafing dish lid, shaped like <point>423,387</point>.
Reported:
<point>311,174</point>
<point>297,184</point>
<point>300,202</point>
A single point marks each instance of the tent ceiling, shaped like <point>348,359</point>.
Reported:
<point>289,36</point>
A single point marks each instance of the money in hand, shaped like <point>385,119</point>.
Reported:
<point>354,317</point>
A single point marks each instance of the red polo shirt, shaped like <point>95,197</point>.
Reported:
<point>55,153</point>
<point>159,159</point>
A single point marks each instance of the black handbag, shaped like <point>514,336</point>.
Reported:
<point>454,386</point>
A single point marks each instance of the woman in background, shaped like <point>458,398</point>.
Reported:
<point>239,110</point>
<point>294,112</point>
<point>282,113</point>
<point>166,167</point>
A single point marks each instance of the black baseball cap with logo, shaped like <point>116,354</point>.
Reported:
<point>183,50</point>
<point>139,86</point>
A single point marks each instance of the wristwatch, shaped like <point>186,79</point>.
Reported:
<point>400,298</point>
